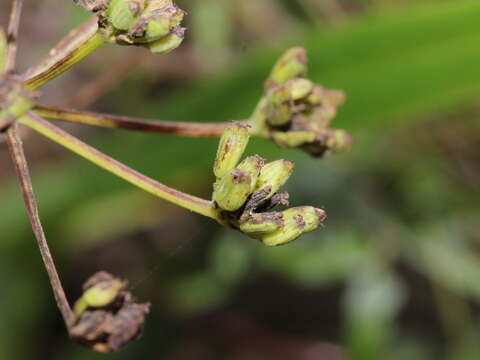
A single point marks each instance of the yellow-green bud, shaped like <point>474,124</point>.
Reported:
<point>293,139</point>
<point>231,148</point>
<point>274,175</point>
<point>316,96</point>
<point>297,221</point>
<point>3,49</point>
<point>252,165</point>
<point>282,100</point>
<point>300,88</point>
<point>159,19</point>
<point>103,293</point>
<point>161,25</point>
<point>261,224</point>
<point>232,190</point>
<point>291,65</point>
<point>167,43</point>
<point>122,14</point>
<point>339,140</point>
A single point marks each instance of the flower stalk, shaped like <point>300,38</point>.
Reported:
<point>190,202</point>
<point>11,45</point>
<point>188,129</point>
<point>24,179</point>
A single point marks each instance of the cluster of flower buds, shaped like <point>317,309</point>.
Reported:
<point>295,112</point>
<point>106,316</point>
<point>245,192</point>
<point>155,24</point>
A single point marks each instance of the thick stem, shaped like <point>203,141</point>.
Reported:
<point>12,34</point>
<point>77,45</point>
<point>189,129</point>
<point>195,204</point>
<point>21,168</point>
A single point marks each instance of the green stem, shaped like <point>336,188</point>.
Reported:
<point>189,129</point>
<point>195,204</point>
<point>77,45</point>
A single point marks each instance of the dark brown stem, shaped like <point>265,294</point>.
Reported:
<point>21,168</point>
<point>12,34</point>
<point>189,129</point>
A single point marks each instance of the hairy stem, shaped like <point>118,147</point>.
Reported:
<point>195,204</point>
<point>21,168</point>
<point>12,34</point>
<point>77,45</point>
<point>189,129</point>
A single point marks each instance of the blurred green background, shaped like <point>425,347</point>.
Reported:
<point>394,275</point>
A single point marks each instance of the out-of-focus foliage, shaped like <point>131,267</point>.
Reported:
<point>395,272</point>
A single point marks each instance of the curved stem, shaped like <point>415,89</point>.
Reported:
<point>190,129</point>
<point>190,202</point>
<point>21,168</point>
<point>77,45</point>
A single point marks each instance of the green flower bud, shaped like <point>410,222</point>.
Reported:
<point>232,190</point>
<point>103,293</point>
<point>158,20</point>
<point>283,100</point>
<point>167,43</point>
<point>297,221</point>
<point>101,290</point>
<point>279,106</point>
<point>300,88</point>
<point>273,176</point>
<point>261,224</point>
<point>293,139</point>
<point>122,14</point>
<point>252,165</point>
<point>339,140</point>
<point>3,49</point>
<point>291,65</point>
<point>231,148</point>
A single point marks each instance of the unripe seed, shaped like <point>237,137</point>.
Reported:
<point>274,175</point>
<point>291,65</point>
<point>252,165</point>
<point>167,43</point>
<point>297,221</point>
<point>122,14</point>
<point>261,224</point>
<point>103,294</point>
<point>232,190</point>
<point>293,139</point>
<point>231,148</point>
<point>299,88</point>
